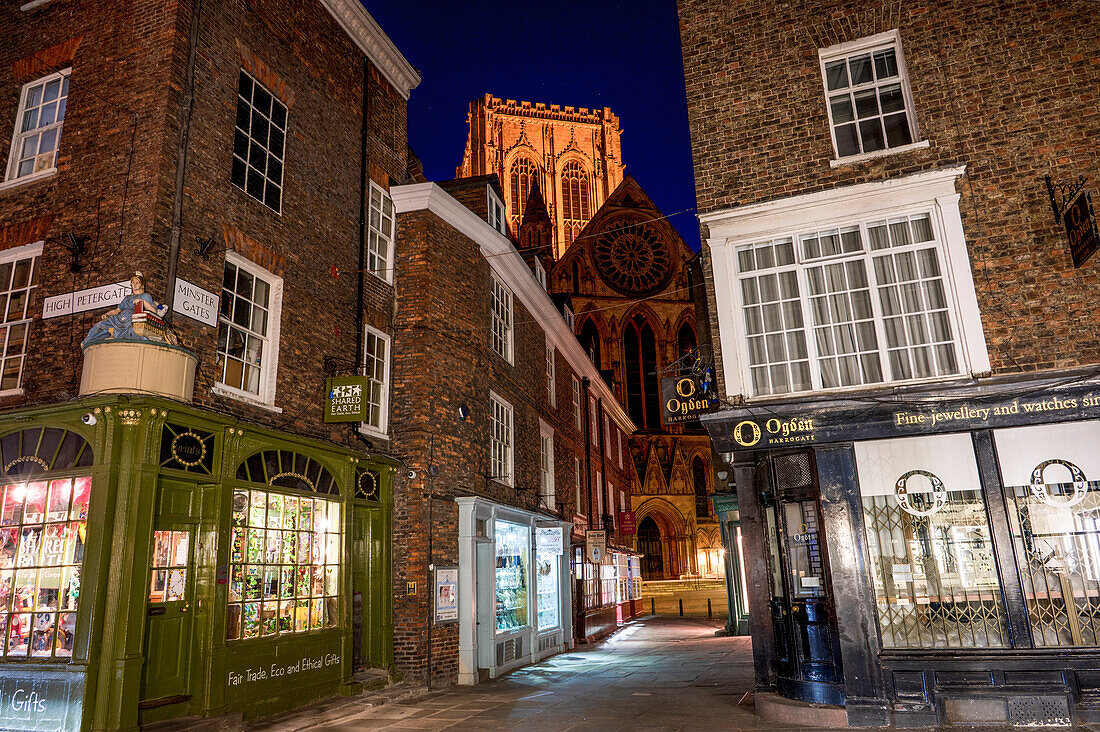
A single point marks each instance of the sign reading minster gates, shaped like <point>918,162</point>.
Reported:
<point>346,399</point>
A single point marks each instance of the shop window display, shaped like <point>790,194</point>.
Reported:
<point>513,543</point>
<point>549,611</point>
<point>43,529</point>
<point>284,564</point>
<point>1052,477</point>
<point>928,537</point>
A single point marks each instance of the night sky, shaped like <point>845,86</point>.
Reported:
<point>587,53</point>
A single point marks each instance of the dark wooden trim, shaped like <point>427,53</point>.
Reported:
<point>757,580</point>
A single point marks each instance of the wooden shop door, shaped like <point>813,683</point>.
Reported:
<point>166,675</point>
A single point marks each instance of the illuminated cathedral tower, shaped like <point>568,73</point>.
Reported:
<point>573,155</point>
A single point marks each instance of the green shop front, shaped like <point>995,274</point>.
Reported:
<point>160,561</point>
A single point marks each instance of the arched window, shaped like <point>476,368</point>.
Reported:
<point>576,277</point>
<point>590,341</point>
<point>699,481</point>
<point>574,199</point>
<point>522,179</point>
<point>640,374</point>
<point>686,344</point>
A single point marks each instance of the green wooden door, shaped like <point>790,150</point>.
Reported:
<point>166,675</point>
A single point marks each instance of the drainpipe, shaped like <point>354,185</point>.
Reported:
<point>364,186</point>
<point>188,104</point>
<point>588,446</point>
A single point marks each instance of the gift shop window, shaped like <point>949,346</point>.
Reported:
<point>43,532</point>
<point>285,550</point>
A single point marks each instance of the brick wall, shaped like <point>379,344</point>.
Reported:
<point>130,65</point>
<point>1007,88</point>
<point>443,360</point>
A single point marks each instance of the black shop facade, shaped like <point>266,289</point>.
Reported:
<point>926,555</point>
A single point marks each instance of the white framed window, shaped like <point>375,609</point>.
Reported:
<point>248,330</point>
<point>546,465</point>
<point>18,293</point>
<point>496,211</point>
<point>611,506</point>
<point>381,234</point>
<point>570,318</point>
<point>501,440</point>
<point>259,142</point>
<point>501,318</point>
<point>551,380</point>
<point>868,97</point>
<point>607,436</point>
<point>376,367</point>
<point>578,418</point>
<point>540,275</point>
<point>577,484</point>
<point>38,124</point>
<point>622,447</point>
<point>593,423</point>
<point>599,499</point>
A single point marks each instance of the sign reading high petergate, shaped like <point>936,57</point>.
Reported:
<point>82,301</point>
<point>346,399</point>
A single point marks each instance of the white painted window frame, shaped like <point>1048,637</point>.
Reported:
<point>509,477</point>
<point>505,318</point>
<point>931,192</point>
<point>385,272</point>
<point>546,465</point>
<point>578,475</point>
<point>540,275</point>
<point>268,371</point>
<point>877,42</point>
<point>10,180</point>
<point>32,252</point>
<point>578,415</point>
<point>551,376</point>
<point>384,407</point>
<point>495,207</point>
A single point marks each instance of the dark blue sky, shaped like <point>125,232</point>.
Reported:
<point>588,53</point>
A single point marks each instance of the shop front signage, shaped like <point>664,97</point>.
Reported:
<point>548,540</point>
<point>196,303</point>
<point>684,398</point>
<point>188,448</point>
<point>595,546</point>
<point>82,301</point>
<point>446,595</point>
<point>779,425</point>
<point>628,525</point>
<point>284,665</point>
<point>30,701</point>
<point>346,399</point>
<point>1080,222</point>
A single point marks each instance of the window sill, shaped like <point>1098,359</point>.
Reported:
<point>34,4</point>
<point>853,159</point>
<point>225,391</point>
<point>32,178</point>
<point>12,392</point>
<point>368,431</point>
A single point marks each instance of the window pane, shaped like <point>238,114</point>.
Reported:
<point>846,141</point>
<point>897,130</point>
<point>842,109</point>
<point>886,64</point>
<point>934,578</point>
<point>870,134</point>
<point>836,75</point>
<point>860,69</point>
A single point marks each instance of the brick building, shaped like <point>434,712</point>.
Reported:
<point>909,345</point>
<point>618,224</point>
<point>237,154</point>
<point>509,430</point>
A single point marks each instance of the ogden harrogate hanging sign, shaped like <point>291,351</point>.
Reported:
<point>684,398</point>
<point>1080,222</point>
<point>346,399</point>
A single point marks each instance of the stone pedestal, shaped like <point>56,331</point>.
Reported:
<point>138,367</point>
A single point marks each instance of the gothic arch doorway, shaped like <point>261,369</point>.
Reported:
<point>649,544</point>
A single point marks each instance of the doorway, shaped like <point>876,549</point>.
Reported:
<point>807,645</point>
<point>166,674</point>
<point>649,544</point>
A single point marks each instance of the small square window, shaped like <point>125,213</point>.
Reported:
<point>868,99</point>
<point>38,126</point>
<point>259,140</point>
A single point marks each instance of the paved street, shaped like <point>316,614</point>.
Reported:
<point>655,674</point>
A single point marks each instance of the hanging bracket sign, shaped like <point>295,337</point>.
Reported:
<point>1072,206</point>
<point>595,546</point>
<point>684,398</point>
<point>346,399</point>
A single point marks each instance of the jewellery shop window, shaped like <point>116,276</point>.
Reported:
<point>43,530</point>
<point>1051,475</point>
<point>928,539</point>
<point>284,564</point>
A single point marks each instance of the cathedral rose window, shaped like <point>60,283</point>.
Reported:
<point>632,257</point>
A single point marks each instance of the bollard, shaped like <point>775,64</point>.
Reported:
<point>710,613</point>
<point>681,607</point>
<point>652,606</point>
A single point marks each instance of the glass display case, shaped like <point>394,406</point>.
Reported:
<point>548,583</point>
<point>513,546</point>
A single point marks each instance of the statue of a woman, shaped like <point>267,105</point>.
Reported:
<point>119,322</point>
